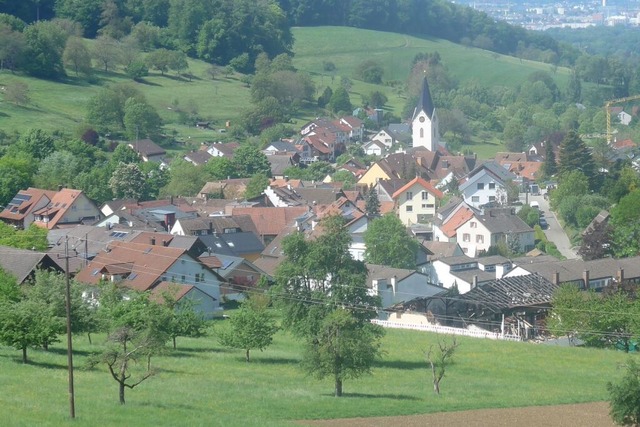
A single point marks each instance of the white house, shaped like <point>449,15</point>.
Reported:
<point>394,285</point>
<point>374,148</point>
<point>485,184</point>
<point>624,118</point>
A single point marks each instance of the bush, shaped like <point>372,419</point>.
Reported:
<point>625,407</point>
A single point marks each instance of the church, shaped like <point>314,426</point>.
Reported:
<point>424,124</point>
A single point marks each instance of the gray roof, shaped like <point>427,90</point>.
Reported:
<point>283,146</point>
<point>199,157</point>
<point>377,272</point>
<point>399,128</point>
<point>279,163</point>
<point>502,221</point>
<point>21,263</point>
<point>425,103</point>
<point>233,244</point>
<point>511,292</point>
<point>573,269</point>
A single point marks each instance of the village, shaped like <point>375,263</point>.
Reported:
<point>218,246</point>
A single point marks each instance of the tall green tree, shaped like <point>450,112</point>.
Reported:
<point>387,243</point>
<point>127,181</point>
<point>318,278</point>
<point>140,119</point>
<point>249,160</point>
<point>372,206</point>
<point>550,166</point>
<point>625,221</point>
<point>45,42</point>
<point>624,406</point>
<point>575,156</point>
<point>76,56</point>
<point>340,101</point>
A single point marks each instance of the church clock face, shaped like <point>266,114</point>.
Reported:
<point>421,119</point>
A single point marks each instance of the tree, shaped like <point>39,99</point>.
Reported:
<point>624,407</point>
<point>220,168</point>
<point>105,51</point>
<point>439,359</point>
<point>12,46</point>
<point>387,243</point>
<point>256,186</point>
<point>340,101</point>
<point>127,181</point>
<point>344,348</point>
<point>372,206</point>
<point>9,288</point>
<point>59,168</point>
<point>568,316</point>
<point>27,323</point>
<point>33,237</point>
<point>76,56</point>
<point>251,327</point>
<point>346,177</point>
<point>35,143</point>
<point>575,156</point>
<point>573,184</point>
<point>140,119</point>
<point>106,109</point>
<point>249,160</point>
<point>596,242</point>
<point>15,174</point>
<point>625,224</point>
<point>550,166</point>
<point>137,69</point>
<point>185,179</point>
<point>370,71</point>
<point>137,329</point>
<point>45,42</point>
<point>159,60</point>
<point>317,278</point>
<point>184,320</point>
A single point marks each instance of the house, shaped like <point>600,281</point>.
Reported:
<point>223,149</point>
<point>465,273</point>
<point>241,275</point>
<point>197,157</point>
<point>374,148</point>
<point>280,147</point>
<point>486,229</point>
<point>232,188</point>
<point>394,166</point>
<point>143,266</point>
<point>623,117</point>
<point>270,222</point>
<point>66,207</point>
<point>19,211</point>
<point>416,202</point>
<point>23,264</point>
<point>353,126</point>
<point>425,124</point>
<point>595,274</point>
<point>148,150</point>
<point>486,184</point>
<point>395,285</point>
<point>159,216</point>
<point>281,162</point>
<point>183,294</point>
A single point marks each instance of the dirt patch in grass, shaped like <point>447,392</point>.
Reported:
<point>584,415</point>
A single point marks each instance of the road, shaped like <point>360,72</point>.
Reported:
<point>554,232</point>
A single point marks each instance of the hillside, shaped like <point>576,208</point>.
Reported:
<point>60,105</point>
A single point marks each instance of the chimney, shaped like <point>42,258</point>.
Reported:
<point>209,250</point>
<point>585,278</point>
<point>210,227</point>
<point>165,243</point>
<point>474,284</point>
<point>60,187</point>
<point>556,279</point>
<point>620,275</point>
<point>153,241</point>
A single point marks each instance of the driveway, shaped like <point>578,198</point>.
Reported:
<point>554,231</point>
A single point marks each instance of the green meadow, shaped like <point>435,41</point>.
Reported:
<point>61,105</point>
<point>203,384</point>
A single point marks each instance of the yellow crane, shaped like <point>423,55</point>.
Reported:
<point>607,107</point>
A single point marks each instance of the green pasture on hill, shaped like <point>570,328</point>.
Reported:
<point>203,384</point>
<point>61,105</point>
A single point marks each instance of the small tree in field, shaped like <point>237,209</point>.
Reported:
<point>252,327</point>
<point>439,357</point>
<point>625,406</point>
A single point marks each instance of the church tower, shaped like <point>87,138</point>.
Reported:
<point>424,124</point>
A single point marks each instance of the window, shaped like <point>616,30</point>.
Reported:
<point>481,186</point>
<point>466,237</point>
<point>74,207</point>
<point>465,250</point>
<point>473,224</point>
<point>427,206</point>
<point>425,195</point>
<point>492,186</point>
<point>183,278</point>
<point>475,199</point>
<point>479,238</point>
<point>409,208</point>
<point>492,198</point>
<point>421,132</point>
<point>409,195</point>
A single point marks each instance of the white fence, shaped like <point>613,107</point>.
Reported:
<point>447,330</point>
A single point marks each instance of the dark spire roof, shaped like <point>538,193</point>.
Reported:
<point>425,103</point>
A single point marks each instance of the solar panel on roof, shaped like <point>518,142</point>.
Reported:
<point>22,197</point>
<point>132,276</point>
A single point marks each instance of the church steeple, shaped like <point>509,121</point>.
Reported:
<point>424,124</point>
<point>425,103</point>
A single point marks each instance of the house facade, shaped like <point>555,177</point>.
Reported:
<point>416,202</point>
<point>66,207</point>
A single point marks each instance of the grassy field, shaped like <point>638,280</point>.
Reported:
<point>202,384</point>
<point>61,105</point>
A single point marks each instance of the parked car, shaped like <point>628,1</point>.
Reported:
<point>543,223</point>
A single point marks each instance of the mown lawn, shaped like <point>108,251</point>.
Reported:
<point>202,384</point>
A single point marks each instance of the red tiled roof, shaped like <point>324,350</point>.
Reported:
<point>19,211</point>
<point>271,221</point>
<point>420,181</point>
<point>58,206</point>
<point>174,290</point>
<point>459,218</point>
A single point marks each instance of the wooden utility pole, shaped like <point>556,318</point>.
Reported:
<point>72,408</point>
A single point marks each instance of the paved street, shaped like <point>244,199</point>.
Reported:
<point>553,232</point>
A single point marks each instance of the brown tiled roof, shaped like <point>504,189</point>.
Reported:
<point>24,202</point>
<point>211,261</point>
<point>271,221</point>
<point>60,203</point>
<point>148,263</point>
